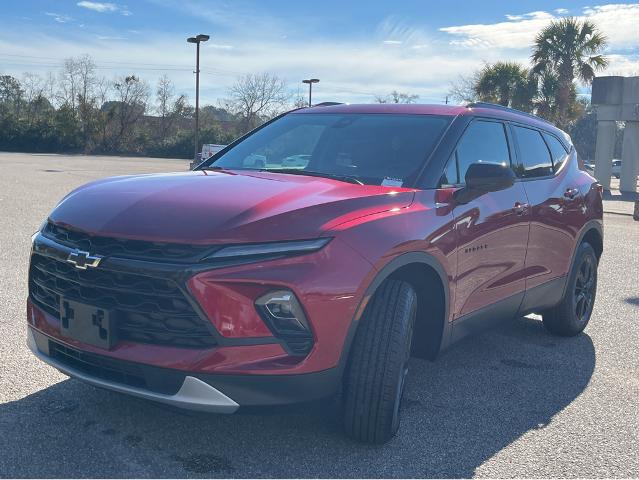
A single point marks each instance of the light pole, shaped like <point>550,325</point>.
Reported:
<point>197,40</point>
<point>310,82</point>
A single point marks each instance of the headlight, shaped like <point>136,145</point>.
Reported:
<point>40,228</point>
<point>269,249</point>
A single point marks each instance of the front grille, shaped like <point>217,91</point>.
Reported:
<point>122,247</point>
<point>148,310</point>
<point>113,370</point>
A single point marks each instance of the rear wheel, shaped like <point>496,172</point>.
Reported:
<point>572,314</point>
<point>374,381</point>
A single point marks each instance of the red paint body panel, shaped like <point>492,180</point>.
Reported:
<point>219,207</point>
<point>491,249</point>
<point>556,222</point>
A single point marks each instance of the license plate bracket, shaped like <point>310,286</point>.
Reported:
<point>87,323</point>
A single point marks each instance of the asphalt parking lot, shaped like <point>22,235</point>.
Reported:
<point>513,402</point>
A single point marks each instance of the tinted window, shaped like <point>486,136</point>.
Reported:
<point>450,174</point>
<point>377,149</point>
<point>557,151</point>
<point>482,142</point>
<point>534,157</point>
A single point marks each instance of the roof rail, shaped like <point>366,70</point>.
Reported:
<point>328,104</point>
<point>496,106</point>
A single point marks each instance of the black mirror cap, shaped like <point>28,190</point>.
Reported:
<point>489,177</point>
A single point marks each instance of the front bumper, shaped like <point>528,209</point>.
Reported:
<point>193,391</point>
<point>329,295</point>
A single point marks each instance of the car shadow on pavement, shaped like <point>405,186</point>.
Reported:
<point>458,412</point>
<point>632,300</point>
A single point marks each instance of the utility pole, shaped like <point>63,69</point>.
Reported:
<point>197,40</point>
<point>310,82</point>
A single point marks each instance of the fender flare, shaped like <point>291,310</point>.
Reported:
<point>594,224</point>
<point>386,271</point>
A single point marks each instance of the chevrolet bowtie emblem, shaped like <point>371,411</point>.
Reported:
<point>81,260</point>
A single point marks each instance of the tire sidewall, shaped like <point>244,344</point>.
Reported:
<point>585,250</point>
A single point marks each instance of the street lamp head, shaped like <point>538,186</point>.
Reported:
<point>311,80</point>
<point>200,38</point>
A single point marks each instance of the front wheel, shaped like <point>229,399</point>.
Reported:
<point>572,314</point>
<point>376,374</point>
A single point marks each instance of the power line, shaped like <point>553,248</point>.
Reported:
<point>116,64</point>
<point>53,62</point>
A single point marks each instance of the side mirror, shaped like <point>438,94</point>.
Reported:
<point>489,177</point>
<point>483,178</point>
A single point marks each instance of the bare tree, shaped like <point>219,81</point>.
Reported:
<point>131,100</point>
<point>34,91</point>
<point>76,91</point>
<point>164,104</point>
<point>76,81</point>
<point>103,89</point>
<point>256,97</point>
<point>397,97</point>
<point>463,90</point>
<point>68,85</point>
<point>300,101</point>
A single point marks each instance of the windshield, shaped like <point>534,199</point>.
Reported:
<point>374,149</point>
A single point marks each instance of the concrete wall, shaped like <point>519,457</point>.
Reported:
<point>617,99</point>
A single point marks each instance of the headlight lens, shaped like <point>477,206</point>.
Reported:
<point>40,228</point>
<point>269,249</point>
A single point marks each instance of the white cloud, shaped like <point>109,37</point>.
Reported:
<point>219,46</point>
<point>98,6</point>
<point>626,65</point>
<point>561,11</point>
<point>617,21</point>
<point>104,7</point>
<point>516,33</point>
<point>397,55</point>
<point>108,37</point>
<point>377,70</point>
<point>59,17</point>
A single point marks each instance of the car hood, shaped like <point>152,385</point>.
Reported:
<point>221,206</point>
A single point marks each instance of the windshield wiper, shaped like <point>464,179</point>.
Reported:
<point>310,173</point>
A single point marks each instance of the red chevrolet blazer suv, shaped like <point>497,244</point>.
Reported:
<point>314,256</point>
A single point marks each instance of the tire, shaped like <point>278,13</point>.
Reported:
<point>378,364</point>
<point>572,314</point>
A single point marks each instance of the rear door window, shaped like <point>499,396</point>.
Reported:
<point>534,157</point>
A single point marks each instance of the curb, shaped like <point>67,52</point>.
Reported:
<point>618,213</point>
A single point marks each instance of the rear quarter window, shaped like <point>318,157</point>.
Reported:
<point>557,151</point>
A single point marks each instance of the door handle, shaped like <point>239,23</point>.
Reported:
<point>571,193</point>
<point>520,208</point>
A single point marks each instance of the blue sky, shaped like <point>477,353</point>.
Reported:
<point>358,49</point>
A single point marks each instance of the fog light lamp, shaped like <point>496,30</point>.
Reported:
<point>283,313</point>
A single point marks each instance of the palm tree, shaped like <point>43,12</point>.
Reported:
<point>570,49</point>
<point>546,100</point>
<point>506,83</point>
